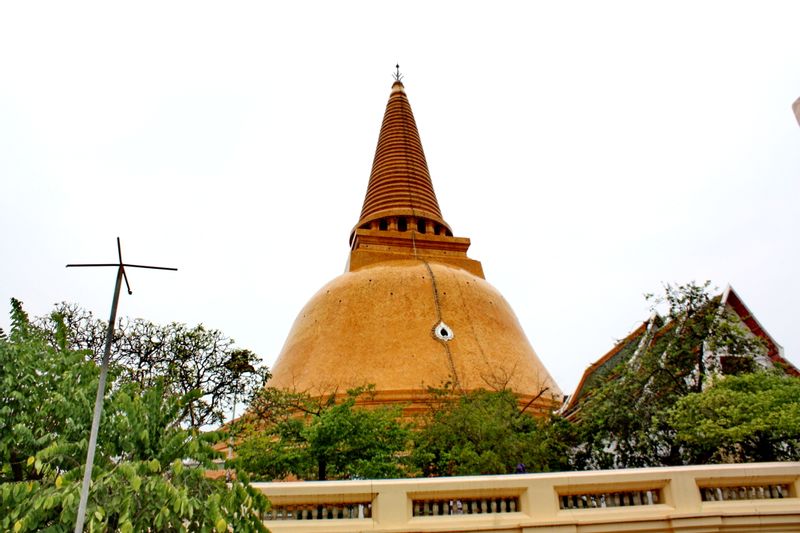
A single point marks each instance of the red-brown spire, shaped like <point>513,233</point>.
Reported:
<point>400,184</point>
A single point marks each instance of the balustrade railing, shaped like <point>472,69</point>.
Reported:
<point>770,491</point>
<point>749,497</point>
<point>329,511</point>
<point>610,499</point>
<point>456,506</point>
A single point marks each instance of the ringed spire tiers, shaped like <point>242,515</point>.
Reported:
<point>400,183</point>
<point>401,218</point>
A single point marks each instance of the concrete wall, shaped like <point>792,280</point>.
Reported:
<point>751,497</point>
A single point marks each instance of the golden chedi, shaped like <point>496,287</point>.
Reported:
<point>412,311</point>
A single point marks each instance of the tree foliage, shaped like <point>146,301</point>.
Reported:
<point>321,438</point>
<point>484,432</point>
<point>186,358</point>
<point>46,394</point>
<point>149,471</point>
<point>751,417</point>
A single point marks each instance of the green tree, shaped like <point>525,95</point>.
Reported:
<point>186,358</point>
<point>484,432</point>
<point>624,421</point>
<point>746,418</point>
<point>149,472</point>
<point>46,394</point>
<point>321,438</point>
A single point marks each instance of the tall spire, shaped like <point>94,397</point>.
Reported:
<point>400,184</point>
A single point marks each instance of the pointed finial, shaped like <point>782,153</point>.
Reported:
<point>397,76</point>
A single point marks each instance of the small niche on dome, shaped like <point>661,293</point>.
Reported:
<point>402,224</point>
<point>443,332</point>
<point>421,226</point>
<point>383,225</point>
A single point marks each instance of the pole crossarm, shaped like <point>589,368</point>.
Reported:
<point>118,264</point>
<point>101,385</point>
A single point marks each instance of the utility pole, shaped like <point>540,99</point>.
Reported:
<point>101,385</point>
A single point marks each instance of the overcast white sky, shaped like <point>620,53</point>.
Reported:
<point>589,150</point>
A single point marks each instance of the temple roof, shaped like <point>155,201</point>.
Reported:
<point>399,184</point>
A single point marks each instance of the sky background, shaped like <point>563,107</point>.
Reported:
<point>591,151</point>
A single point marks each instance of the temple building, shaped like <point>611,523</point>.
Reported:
<point>412,310</point>
<point>646,335</point>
